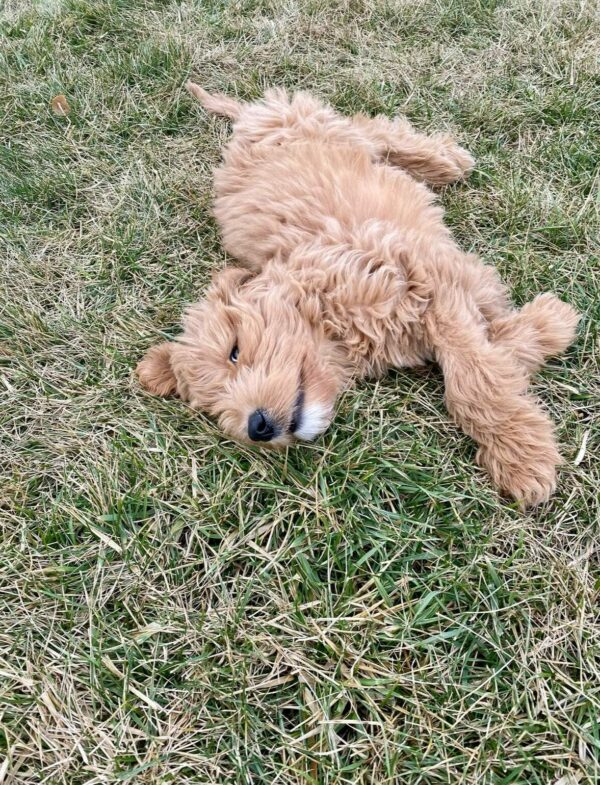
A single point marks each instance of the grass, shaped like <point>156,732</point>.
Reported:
<point>177,609</point>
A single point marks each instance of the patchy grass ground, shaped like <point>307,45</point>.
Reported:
<point>175,608</point>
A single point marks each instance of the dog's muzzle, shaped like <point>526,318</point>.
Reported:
<point>261,427</point>
<point>297,413</point>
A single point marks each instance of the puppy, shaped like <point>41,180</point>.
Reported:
<point>348,270</point>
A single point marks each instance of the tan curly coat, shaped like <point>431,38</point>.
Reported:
<point>349,270</point>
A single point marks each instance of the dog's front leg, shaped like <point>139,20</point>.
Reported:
<point>486,396</point>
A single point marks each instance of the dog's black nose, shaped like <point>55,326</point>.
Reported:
<point>260,427</point>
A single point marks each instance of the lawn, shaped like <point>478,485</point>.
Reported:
<point>175,608</point>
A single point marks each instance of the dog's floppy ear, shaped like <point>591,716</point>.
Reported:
<point>227,282</point>
<point>155,371</point>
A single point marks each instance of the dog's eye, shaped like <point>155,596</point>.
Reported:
<point>235,352</point>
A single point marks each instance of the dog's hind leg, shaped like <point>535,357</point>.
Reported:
<point>485,394</point>
<point>435,159</point>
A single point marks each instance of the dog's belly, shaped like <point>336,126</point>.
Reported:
<point>291,194</point>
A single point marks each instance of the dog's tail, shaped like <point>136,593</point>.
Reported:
<point>216,103</point>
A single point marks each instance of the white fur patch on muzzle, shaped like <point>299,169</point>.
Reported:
<point>315,419</point>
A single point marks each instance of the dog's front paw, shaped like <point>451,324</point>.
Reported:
<point>531,485</point>
<point>555,323</point>
<point>522,461</point>
<point>530,482</point>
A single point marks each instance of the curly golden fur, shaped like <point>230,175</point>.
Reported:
<point>349,270</point>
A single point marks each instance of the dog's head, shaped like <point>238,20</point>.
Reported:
<point>253,354</point>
